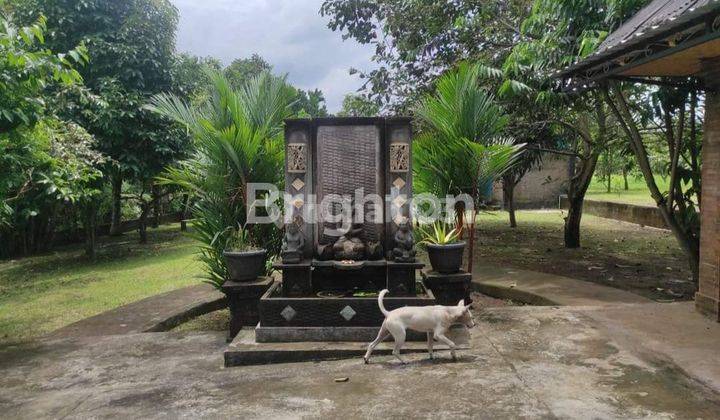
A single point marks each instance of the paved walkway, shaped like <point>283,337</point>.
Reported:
<point>547,289</point>
<point>674,331</point>
<point>155,313</point>
<point>523,362</point>
<point>604,353</point>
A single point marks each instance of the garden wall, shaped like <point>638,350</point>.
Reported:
<point>539,188</point>
<point>641,215</point>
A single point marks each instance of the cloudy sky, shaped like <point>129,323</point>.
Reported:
<point>289,34</point>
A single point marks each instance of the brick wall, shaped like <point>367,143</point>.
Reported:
<point>707,299</point>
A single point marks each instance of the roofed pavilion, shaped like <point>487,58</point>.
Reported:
<point>673,38</point>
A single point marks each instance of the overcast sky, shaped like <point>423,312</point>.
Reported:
<point>289,34</point>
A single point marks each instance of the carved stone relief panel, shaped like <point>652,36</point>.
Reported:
<point>297,157</point>
<point>399,157</point>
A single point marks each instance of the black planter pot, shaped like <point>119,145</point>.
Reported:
<point>446,259</point>
<point>245,265</point>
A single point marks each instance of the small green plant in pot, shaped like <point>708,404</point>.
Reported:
<point>444,247</point>
<point>245,262</point>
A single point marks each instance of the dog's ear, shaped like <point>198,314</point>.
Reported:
<point>461,303</point>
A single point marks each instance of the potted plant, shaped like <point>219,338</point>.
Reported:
<point>244,261</point>
<point>444,248</point>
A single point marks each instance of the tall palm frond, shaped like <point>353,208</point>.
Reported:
<point>460,166</point>
<point>238,140</point>
<point>460,108</point>
<point>460,149</point>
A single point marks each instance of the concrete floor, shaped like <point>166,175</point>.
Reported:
<point>532,362</point>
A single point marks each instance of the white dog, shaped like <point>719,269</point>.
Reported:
<point>434,320</point>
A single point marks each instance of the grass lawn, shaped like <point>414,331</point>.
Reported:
<point>642,260</point>
<point>42,293</point>
<point>637,192</point>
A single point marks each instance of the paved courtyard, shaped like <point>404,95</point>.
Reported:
<point>536,362</point>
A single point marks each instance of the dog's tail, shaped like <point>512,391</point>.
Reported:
<point>380,304</point>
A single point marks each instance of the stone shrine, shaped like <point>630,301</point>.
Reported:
<point>332,271</point>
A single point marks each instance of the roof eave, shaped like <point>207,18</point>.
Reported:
<point>657,32</point>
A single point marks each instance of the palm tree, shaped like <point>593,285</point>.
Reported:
<point>238,137</point>
<point>460,149</point>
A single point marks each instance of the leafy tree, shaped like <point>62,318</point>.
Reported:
<point>305,104</point>
<point>75,178</point>
<point>131,46</point>
<point>132,41</point>
<point>241,70</point>
<point>354,105</point>
<point>28,71</point>
<point>673,111</point>
<point>190,78</point>
<point>27,67</point>
<point>239,139</point>
<point>415,41</point>
<point>563,31</point>
<point>553,36</point>
<point>310,104</point>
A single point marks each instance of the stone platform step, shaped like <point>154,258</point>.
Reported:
<point>264,334</point>
<point>245,351</point>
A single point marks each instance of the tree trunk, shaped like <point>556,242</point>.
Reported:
<point>471,242</point>
<point>620,108</point>
<point>579,184</point>
<point>116,203</point>
<point>90,226</point>
<point>142,222</point>
<point>185,211</point>
<point>509,199</point>
<point>156,204</point>
<point>609,182</point>
<point>142,227</point>
<point>572,223</point>
<point>625,179</point>
<point>460,219</point>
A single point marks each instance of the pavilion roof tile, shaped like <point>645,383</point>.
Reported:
<point>658,18</point>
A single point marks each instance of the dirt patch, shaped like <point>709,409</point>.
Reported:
<point>626,256</point>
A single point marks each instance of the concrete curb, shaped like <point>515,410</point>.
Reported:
<point>188,313</point>
<point>153,314</point>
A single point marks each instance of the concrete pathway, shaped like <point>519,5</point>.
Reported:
<point>547,289</point>
<point>155,313</point>
<point>523,362</point>
<point>604,353</point>
<point>673,331</point>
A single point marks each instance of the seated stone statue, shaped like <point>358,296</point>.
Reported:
<point>350,246</point>
<point>404,250</point>
<point>293,243</point>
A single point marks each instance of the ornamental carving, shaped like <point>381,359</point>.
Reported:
<point>297,158</point>
<point>399,157</point>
